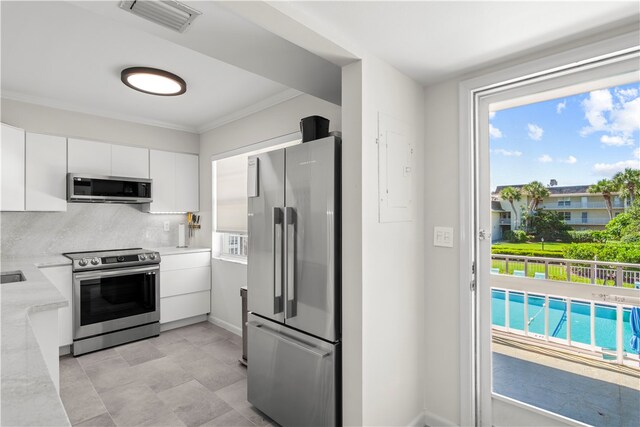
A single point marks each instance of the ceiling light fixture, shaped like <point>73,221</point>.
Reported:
<point>153,81</point>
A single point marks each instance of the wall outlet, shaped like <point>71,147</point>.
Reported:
<point>443,236</point>
<point>166,226</point>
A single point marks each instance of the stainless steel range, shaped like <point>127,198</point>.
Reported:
<point>116,297</point>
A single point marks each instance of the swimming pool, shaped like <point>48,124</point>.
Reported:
<point>605,319</point>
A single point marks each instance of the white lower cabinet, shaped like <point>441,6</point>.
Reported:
<point>61,277</point>
<point>185,286</point>
<point>184,306</point>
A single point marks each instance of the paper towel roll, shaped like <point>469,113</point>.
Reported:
<point>181,235</point>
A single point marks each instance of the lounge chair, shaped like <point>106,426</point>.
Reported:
<point>539,275</point>
<point>519,273</point>
<point>495,270</point>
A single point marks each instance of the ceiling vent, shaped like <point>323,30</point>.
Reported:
<point>170,14</point>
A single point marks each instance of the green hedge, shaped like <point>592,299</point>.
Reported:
<point>515,236</point>
<point>614,252</point>
<point>526,252</point>
<point>587,236</point>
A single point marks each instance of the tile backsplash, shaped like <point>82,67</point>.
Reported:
<point>85,226</point>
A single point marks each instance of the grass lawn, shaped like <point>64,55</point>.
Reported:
<point>551,247</point>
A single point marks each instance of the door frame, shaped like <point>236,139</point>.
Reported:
<point>473,409</point>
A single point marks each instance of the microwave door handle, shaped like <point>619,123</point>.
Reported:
<point>276,254</point>
<point>290,262</point>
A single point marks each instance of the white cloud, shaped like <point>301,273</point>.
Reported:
<point>492,114</point>
<point>508,153</point>
<point>594,107</point>
<point>618,119</point>
<point>626,94</point>
<point>610,169</point>
<point>535,132</point>
<point>494,131</point>
<point>636,153</point>
<point>626,119</point>
<point>617,140</point>
<point>545,158</point>
<point>570,160</point>
<point>561,106</point>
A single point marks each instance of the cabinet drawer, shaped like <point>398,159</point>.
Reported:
<point>180,261</point>
<point>178,282</point>
<point>184,306</point>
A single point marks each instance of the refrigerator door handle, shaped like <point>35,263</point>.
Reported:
<point>290,262</point>
<point>290,340</point>
<point>276,254</point>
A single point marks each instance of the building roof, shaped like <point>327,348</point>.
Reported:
<point>496,206</point>
<point>570,189</point>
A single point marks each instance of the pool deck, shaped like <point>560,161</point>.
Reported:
<point>599,394</point>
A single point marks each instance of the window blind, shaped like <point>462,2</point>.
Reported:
<point>231,190</point>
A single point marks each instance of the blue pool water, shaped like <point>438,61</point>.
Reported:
<point>605,321</point>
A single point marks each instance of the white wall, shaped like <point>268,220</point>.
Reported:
<point>392,275</point>
<point>441,361</point>
<point>281,119</point>
<point>53,121</point>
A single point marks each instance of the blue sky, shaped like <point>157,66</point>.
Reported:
<point>575,140</point>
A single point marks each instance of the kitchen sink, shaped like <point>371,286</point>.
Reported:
<point>12,277</point>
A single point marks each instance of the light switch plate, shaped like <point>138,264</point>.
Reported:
<point>443,236</point>
<point>166,226</point>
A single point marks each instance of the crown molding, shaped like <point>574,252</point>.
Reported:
<point>279,98</point>
<point>276,99</point>
<point>61,105</point>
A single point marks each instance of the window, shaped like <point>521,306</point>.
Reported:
<point>229,176</point>
<point>584,217</point>
<point>565,201</point>
<point>566,216</point>
<point>505,215</point>
<point>234,244</point>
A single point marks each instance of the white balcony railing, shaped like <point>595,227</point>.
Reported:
<point>544,292</point>
<point>579,205</point>
<point>572,270</point>
<point>587,221</point>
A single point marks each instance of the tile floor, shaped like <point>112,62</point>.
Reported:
<point>185,377</point>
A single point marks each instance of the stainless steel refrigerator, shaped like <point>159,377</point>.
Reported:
<point>294,284</point>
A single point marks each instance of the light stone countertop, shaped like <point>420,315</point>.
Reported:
<point>29,397</point>
<point>173,250</point>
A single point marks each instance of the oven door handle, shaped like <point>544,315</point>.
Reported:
<point>112,273</point>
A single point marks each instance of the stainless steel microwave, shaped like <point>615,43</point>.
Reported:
<point>108,189</point>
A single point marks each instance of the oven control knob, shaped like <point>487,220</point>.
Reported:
<point>142,257</point>
<point>95,261</point>
<point>152,256</point>
<point>83,262</point>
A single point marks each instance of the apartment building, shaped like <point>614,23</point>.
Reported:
<point>580,209</point>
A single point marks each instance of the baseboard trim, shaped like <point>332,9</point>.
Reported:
<point>418,421</point>
<point>433,420</point>
<point>225,325</point>
<point>182,322</point>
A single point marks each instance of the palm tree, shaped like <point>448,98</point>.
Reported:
<point>628,183</point>
<point>605,187</point>
<point>511,194</point>
<point>536,192</point>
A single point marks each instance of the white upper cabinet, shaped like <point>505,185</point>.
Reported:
<point>175,181</point>
<point>129,161</point>
<point>187,178</point>
<point>12,153</point>
<point>162,171</point>
<point>46,172</point>
<point>89,157</point>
